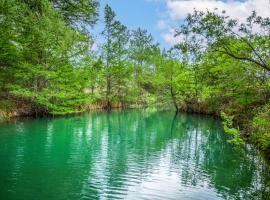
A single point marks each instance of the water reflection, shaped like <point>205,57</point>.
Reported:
<point>130,154</point>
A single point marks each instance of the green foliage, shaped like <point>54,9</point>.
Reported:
<point>42,57</point>
<point>6,105</point>
<point>261,125</point>
<point>77,12</point>
<point>228,128</point>
<point>114,51</point>
<point>231,71</point>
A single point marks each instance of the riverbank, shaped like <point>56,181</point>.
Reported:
<point>9,110</point>
<point>12,110</point>
<point>252,124</point>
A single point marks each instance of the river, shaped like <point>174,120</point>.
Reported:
<point>132,154</point>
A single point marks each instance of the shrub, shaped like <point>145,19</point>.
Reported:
<point>261,126</point>
<point>228,128</point>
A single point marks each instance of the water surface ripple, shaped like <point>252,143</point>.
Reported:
<point>133,154</point>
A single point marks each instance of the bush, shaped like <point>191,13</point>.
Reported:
<point>228,128</point>
<point>261,126</point>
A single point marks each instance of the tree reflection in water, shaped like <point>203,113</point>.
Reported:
<point>131,154</point>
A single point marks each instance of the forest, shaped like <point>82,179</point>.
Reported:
<point>220,66</point>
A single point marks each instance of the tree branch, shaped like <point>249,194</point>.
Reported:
<point>238,57</point>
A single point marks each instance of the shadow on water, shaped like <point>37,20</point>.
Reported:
<point>133,154</point>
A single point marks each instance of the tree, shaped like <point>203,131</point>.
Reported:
<point>141,48</point>
<point>77,12</point>
<point>45,58</point>
<point>167,71</point>
<point>114,52</point>
<point>227,36</point>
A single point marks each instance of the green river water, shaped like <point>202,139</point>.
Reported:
<point>132,154</point>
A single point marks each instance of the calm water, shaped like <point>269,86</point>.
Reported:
<point>126,155</point>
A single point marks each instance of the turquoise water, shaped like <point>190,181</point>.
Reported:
<point>133,154</point>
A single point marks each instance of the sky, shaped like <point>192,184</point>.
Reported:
<point>161,17</point>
